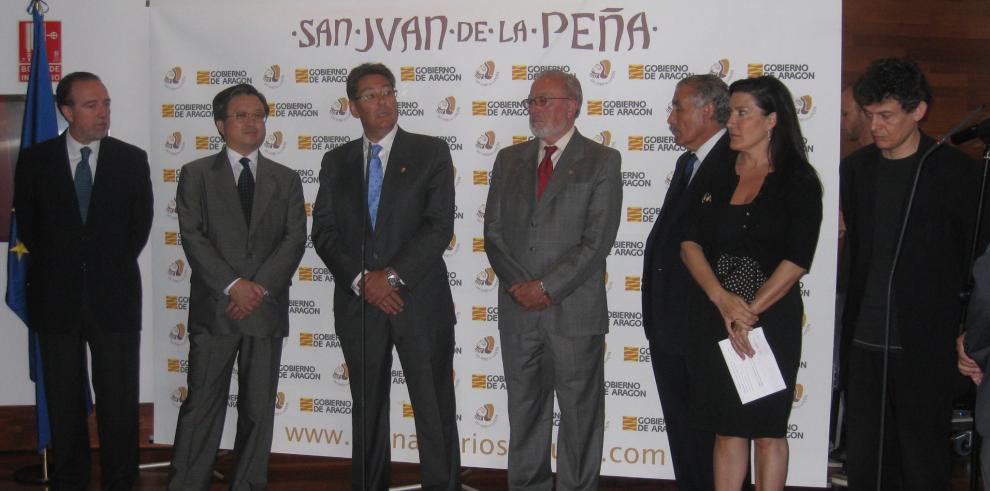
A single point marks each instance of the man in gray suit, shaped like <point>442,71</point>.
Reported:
<point>243,229</point>
<point>552,214</point>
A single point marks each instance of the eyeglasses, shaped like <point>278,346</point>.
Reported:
<point>245,117</point>
<point>540,101</point>
<point>374,96</point>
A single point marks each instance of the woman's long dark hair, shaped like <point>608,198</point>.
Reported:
<point>787,154</point>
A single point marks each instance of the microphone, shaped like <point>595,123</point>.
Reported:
<point>981,130</point>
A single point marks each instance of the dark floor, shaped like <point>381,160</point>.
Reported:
<point>301,473</point>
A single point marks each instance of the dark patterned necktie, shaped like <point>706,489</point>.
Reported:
<point>692,161</point>
<point>84,182</point>
<point>245,188</point>
<point>545,170</point>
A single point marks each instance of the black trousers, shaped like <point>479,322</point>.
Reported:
<point>427,363</point>
<point>115,367</point>
<point>916,427</point>
<point>691,449</point>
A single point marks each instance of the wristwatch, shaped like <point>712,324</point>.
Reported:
<point>392,278</point>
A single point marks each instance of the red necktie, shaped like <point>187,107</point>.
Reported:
<point>545,170</point>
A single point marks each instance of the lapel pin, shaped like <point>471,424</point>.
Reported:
<point>707,198</point>
<point>402,169</point>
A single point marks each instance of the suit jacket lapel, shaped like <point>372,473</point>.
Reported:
<point>714,162</point>
<point>673,203</point>
<point>526,168</point>
<point>264,190</point>
<point>353,185</point>
<point>573,153</point>
<point>62,172</point>
<point>105,162</point>
<point>222,182</point>
<point>394,174</point>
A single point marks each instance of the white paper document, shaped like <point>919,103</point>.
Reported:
<point>754,377</point>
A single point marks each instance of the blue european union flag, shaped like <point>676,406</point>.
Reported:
<point>39,125</point>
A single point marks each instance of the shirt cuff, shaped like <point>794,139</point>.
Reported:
<point>355,285</point>
<point>226,291</point>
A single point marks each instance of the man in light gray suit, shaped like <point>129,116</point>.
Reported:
<point>552,214</point>
<point>243,229</point>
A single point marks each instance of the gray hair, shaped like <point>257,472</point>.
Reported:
<point>571,84</point>
<point>710,89</point>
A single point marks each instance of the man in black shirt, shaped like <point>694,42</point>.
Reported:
<point>924,300</point>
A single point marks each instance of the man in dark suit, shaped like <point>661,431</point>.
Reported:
<point>243,229</point>
<point>551,217</point>
<point>84,209</point>
<point>397,222</point>
<point>699,111</point>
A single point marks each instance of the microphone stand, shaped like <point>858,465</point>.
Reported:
<point>893,270</point>
<point>975,449</point>
<point>362,298</point>
<point>364,364</point>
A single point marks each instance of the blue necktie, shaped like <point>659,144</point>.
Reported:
<point>375,177</point>
<point>84,182</point>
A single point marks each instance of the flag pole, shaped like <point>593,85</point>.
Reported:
<point>39,124</point>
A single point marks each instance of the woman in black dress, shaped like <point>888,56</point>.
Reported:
<point>754,237</point>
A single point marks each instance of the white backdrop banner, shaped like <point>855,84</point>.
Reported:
<point>462,70</point>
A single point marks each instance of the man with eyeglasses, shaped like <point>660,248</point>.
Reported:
<point>243,229</point>
<point>383,217</point>
<point>553,210</point>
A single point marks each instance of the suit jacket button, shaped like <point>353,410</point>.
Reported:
<point>250,256</point>
<point>531,249</point>
<point>532,224</point>
<point>82,267</point>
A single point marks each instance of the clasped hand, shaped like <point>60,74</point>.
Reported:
<point>245,297</point>
<point>966,365</point>
<point>739,319</point>
<point>377,292</point>
<point>530,296</point>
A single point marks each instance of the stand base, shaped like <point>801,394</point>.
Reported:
<point>32,474</point>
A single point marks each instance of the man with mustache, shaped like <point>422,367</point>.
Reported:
<point>552,214</point>
<point>699,111</point>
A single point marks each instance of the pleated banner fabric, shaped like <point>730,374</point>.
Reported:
<point>462,69</point>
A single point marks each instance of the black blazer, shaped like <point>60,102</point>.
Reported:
<point>665,278</point>
<point>933,262</point>
<point>72,262</point>
<point>414,226</point>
